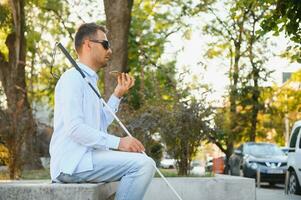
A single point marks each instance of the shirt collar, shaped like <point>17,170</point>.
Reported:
<point>88,70</point>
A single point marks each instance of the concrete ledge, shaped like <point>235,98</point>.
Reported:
<point>211,188</point>
<point>189,188</point>
<point>45,190</point>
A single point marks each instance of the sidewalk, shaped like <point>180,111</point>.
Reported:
<point>274,194</point>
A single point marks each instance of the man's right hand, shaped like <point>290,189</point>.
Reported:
<point>130,144</point>
<point>125,82</point>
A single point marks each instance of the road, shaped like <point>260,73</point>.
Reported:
<point>274,193</point>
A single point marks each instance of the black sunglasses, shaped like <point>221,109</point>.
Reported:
<point>105,43</point>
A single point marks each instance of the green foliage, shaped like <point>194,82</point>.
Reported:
<point>182,126</point>
<point>286,17</point>
<point>5,16</point>
<point>143,125</point>
<point>4,154</point>
<point>237,38</point>
<point>47,22</point>
<point>152,23</point>
<point>5,27</point>
<point>222,130</point>
<point>280,102</point>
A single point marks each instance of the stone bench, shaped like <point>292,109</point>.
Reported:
<point>45,190</point>
<point>203,188</point>
<point>189,188</point>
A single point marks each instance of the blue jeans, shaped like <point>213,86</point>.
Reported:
<point>134,171</point>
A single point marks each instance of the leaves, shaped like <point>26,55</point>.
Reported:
<point>285,16</point>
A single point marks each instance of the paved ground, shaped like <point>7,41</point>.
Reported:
<point>274,193</point>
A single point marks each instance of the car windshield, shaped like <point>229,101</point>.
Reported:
<point>263,150</point>
<point>195,163</point>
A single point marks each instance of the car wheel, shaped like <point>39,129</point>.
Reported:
<point>293,184</point>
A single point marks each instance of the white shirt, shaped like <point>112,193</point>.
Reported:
<point>80,123</point>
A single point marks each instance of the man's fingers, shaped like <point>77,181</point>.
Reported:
<point>132,82</point>
<point>140,145</point>
<point>130,144</point>
<point>119,79</point>
<point>132,149</point>
<point>138,149</point>
<point>127,77</point>
<point>123,79</point>
<point>135,147</point>
<point>129,80</point>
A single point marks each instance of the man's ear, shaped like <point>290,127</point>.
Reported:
<point>87,44</point>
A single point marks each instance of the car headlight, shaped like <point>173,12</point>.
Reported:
<point>254,165</point>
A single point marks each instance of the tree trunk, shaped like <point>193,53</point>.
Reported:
<point>255,99</point>
<point>118,19</point>
<point>21,134</point>
<point>255,77</point>
<point>228,152</point>
<point>255,110</point>
<point>183,162</point>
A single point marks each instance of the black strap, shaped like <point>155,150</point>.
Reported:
<point>72,61</point>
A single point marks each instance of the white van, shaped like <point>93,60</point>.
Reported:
<point>294,160</point>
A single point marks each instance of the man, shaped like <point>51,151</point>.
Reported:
<point>81,149</point>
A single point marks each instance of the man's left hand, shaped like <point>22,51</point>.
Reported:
<point>125,82</point>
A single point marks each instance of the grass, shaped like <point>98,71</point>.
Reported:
<point>45,174</point>
<point>174,173</point>
<point>36,174</point>
<point>28,174</point>
<point>167,172</point>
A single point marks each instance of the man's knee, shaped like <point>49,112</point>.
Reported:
<point>148,164</point>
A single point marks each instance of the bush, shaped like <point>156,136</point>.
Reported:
<point>4,155</point>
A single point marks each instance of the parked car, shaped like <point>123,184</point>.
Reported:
<point>285,150</point>
<point>196,168</point>
<point>265,157</point>
<point>168,163</point>
<point>294,160</point>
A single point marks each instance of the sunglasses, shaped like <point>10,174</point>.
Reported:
<point>105,43</point>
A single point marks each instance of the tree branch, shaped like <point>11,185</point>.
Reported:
<point>223,24</point>
<point>59,17</point>
<point>212,139</point>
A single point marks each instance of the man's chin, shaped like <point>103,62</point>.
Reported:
<point>104,65</point>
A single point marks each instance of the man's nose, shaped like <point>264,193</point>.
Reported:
<point>109,51</point>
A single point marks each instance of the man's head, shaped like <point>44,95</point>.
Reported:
<point>92,46</point>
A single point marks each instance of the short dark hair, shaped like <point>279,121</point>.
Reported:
<point>86,30</point>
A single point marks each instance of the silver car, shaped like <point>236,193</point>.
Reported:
<point>265,158</point>
<point>294,160</point>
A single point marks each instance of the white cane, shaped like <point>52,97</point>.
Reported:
<point>108,107</point>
